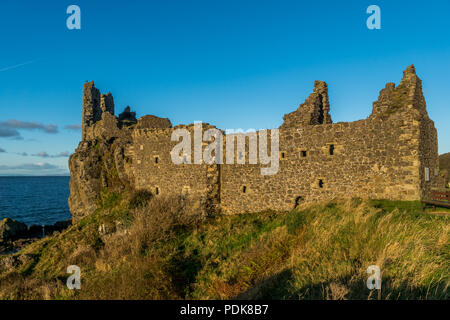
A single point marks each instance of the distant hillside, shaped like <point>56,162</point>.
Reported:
<point>444,165</point>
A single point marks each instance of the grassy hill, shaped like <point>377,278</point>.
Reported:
<point>444,165</point>
<point>162,249</point>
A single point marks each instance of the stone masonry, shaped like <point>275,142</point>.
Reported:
<point>390,155</point>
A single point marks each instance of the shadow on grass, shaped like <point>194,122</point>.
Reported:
<point>282,287</point>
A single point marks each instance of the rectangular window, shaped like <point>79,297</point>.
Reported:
<point>427,174</point>
<point>331,149</point>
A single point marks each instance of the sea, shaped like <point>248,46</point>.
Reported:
<point>35,200</point>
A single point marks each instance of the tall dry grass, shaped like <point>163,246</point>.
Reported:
<point>136,263</point>
<point>323,252</point>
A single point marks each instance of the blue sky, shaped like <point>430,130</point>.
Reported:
<point>235,64</point>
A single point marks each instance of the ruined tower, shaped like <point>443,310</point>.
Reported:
<point>107,103</point>
<point>94,105</point>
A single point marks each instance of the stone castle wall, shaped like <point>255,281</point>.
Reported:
<point>386,156</point>
<point>371,159</point>
<point>154,170</point>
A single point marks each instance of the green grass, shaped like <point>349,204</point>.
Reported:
<point>321,251</point>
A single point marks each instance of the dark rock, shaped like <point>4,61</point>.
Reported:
<point>35,231</point>
<point>57,227</point>
<point>11,229</point>
<point>127,115</point>
<point>62,225</point>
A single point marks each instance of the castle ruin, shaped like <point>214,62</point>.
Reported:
<point>393,154</point>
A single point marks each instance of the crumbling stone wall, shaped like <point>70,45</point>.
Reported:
<point>371,159</point>
<point>382,157</point>
<point>155,171</point>
<point>390,155</point>
<point>315,110</point>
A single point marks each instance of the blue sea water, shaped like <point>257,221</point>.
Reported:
<point>34,200</point>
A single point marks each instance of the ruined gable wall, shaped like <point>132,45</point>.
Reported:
<point>408,100</point>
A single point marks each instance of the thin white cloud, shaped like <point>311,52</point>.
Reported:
<point>17,124</point>
<point>63,154</point>
<point>10,128</point>
<point>6,132</point>
<point>17,65</point>
<point>74,127</point>
<point>44,154</point>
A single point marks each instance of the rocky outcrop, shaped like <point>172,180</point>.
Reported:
<point>37,231</point>
<point>11,229</point>
<point>14,235</point>
<point>96,165</point>
<point>127,117</point>
<point>100,161</point>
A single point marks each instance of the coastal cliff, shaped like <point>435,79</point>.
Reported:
<point>95,166</point>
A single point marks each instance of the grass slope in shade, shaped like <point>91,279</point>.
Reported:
<point>132,248</point>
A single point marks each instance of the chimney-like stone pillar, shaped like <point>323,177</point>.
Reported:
<point>107,103</point>
<point>315,110</point>
<point>91,107</point>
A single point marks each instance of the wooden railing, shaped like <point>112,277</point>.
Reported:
<point>437,198</point>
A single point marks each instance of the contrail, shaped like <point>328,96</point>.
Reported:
<point>17,65</point>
